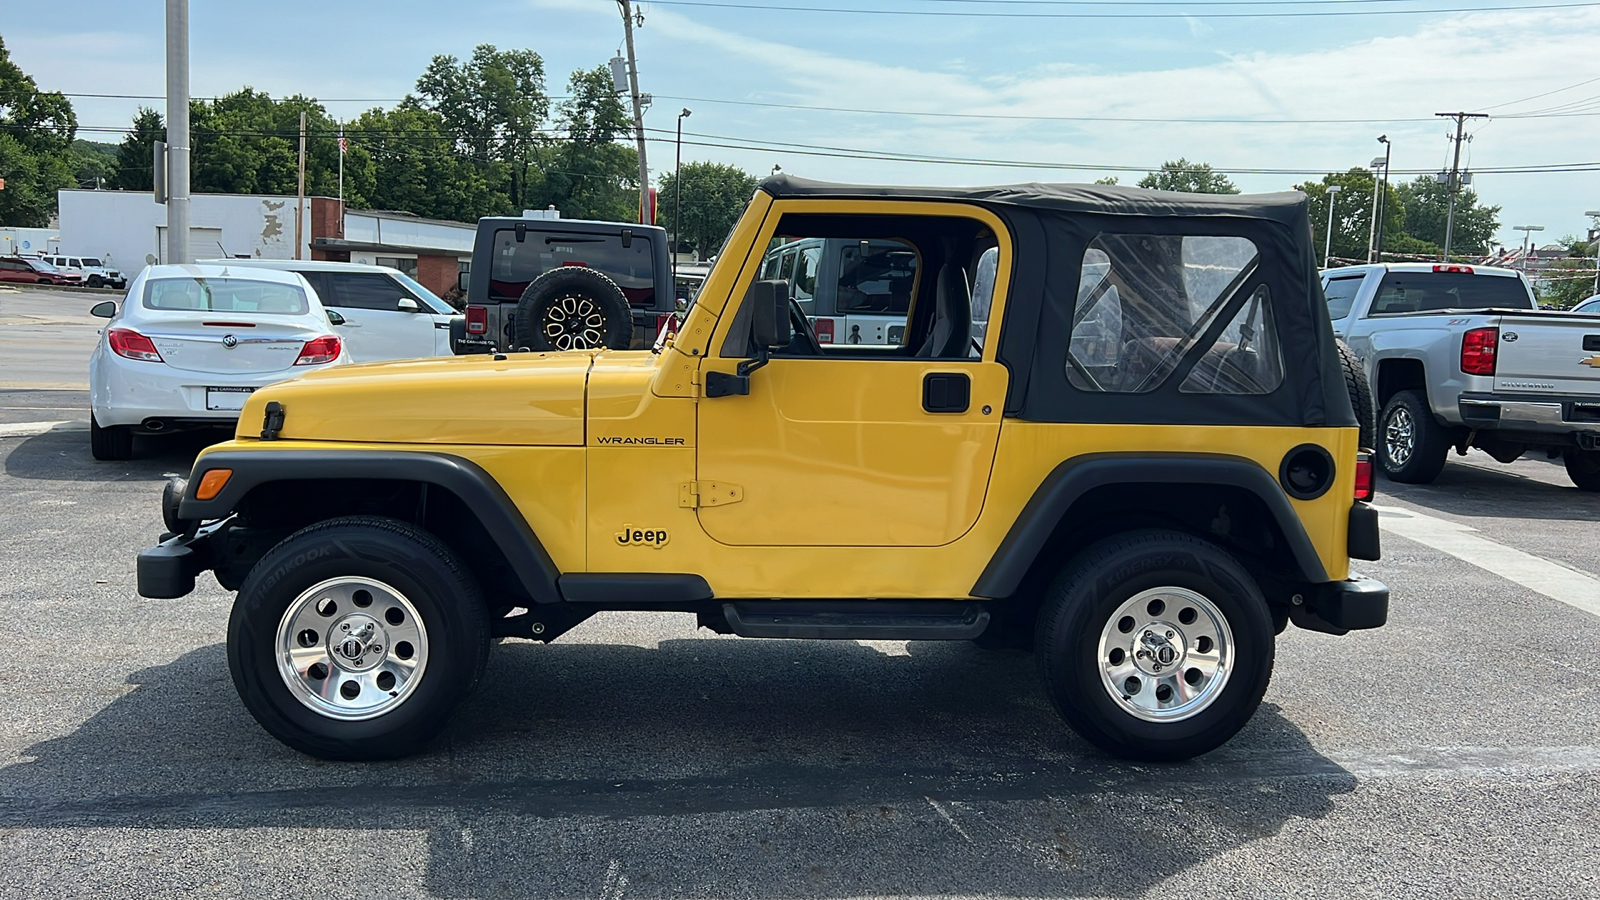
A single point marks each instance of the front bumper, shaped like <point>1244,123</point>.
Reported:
<point>167,570</point>
<point>1342,606</point>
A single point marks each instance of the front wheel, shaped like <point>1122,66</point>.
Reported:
<point>355,638</point>
<point>96,281</point>
<point>1583,467</point>
<point>1155,645</point>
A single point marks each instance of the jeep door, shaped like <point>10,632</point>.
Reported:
<point>860,445</point>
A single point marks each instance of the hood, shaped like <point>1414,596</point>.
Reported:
<point>525,399</point>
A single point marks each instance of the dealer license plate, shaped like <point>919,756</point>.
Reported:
<point>227,398</point>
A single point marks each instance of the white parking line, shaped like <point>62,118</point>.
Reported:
<point>30,429</point>
<point>1578,590</point>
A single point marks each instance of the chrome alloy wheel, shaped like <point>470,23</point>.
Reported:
<point>1166,654</point>
<point>351,648</point>
<point>574,323</point>
<point>1399,436</point>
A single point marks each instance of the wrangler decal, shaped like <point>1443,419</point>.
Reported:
<point>651,441</point>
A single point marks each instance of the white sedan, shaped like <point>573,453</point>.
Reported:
<point>189,344</point>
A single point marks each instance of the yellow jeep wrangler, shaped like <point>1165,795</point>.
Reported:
<point>1142,461</point>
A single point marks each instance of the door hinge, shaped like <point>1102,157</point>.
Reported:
<point>696,494</point>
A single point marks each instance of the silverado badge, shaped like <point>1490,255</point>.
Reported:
<point>630,536</point>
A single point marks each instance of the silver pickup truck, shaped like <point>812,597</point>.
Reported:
<point>1461,356</point>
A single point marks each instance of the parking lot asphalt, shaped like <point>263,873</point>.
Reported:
<point>1453,753</point>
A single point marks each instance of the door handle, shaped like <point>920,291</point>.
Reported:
<point>946,392</point>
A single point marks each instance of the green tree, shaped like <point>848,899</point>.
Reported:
<point>135,163</point>
<point>93,162</point>
<point>1427,208</point>
<point>1568,281</point>
<point>36,132</point>
<point>588,174</point>
<point>713,197</point>
<point>1352,222</point>
<point>406,157</point>
<point>1108,180</point>
<point>1188,177</point>
<point>495,103</point>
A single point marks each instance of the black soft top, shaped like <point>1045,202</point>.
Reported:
<point>1286,207</point>
<point>1052,224</point>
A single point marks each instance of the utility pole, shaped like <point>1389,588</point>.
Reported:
<point>300,206</point>
<point>1453,185</point>
<point>177,132</point>
<point>638,110</point>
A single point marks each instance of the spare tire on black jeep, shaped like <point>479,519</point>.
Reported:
<point>573,308</point>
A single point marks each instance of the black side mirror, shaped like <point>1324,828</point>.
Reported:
<point>462,280</point>
<point>770,327</point>
<point>105,309</point>
<point>769,314</point>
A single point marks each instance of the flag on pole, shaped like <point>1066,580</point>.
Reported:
<point>343,145</point>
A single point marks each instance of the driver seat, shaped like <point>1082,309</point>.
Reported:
<point>952,316</point>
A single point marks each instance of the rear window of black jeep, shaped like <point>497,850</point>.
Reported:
<point>516,264</point>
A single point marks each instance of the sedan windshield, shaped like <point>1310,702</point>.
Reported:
<point>202,294</point>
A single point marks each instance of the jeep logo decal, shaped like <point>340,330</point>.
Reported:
<point>630,536</point>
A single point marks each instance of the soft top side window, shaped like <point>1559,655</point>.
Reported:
<point>1144,302</point>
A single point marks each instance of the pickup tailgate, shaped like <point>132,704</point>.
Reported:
<point>1548,353</point>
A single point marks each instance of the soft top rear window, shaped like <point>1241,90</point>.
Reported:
<point>1403,292</point>
<point>516,265</point>
<point>201,294</point>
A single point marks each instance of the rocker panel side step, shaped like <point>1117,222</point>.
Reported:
<point>857,620</point>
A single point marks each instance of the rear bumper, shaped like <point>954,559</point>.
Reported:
<point>1343,606</point>
<point>1551,415</point>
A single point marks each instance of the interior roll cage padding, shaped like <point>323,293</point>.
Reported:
<point>476,488</point>
<point>1074,478</point>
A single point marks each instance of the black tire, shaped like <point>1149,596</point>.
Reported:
<point>1583,467</point>
<point>96,281</point>
<point>573,308</point>
<point>1086,605</point>
<point>359,550</point>
<point>1412,445</point>
<point>1355,381</point>
<point>110,444</point>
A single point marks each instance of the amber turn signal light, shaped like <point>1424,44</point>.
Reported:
<point>212,483</point>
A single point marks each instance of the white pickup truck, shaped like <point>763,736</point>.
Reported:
<point>1461,356</point>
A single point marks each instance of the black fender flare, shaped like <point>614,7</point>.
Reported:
<point>1070,480</point>
<point>464,478</point>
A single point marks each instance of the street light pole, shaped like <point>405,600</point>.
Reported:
<point>1372,226</point>
<point>1327,247</point>
<point>1383,197</point>
<point>677,201</point>
<point>178,250</point>
<point>1526,233</point>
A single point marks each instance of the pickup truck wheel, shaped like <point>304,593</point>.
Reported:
<point>573,308</point>
<point>355,638</point>
<point>1412,447</point>
<point>1355,381</point>
<point>1155,645</point>
<point>1583,467</point>
<point>110,444</point>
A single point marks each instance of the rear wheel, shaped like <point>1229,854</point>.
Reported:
<point>110,443</point>
<point>1412,447</point>
<point>1583,467</point>
<point>356,638</point>
<point>1155,645</point>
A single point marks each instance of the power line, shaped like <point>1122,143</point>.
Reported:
<point>1545,94</point>
<point>1098,15</point>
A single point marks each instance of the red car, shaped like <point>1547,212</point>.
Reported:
<point>35,271</point>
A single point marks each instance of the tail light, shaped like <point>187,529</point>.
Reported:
<point>1364,488</point>
<point>1454,270</point>
<point>132,345</point>
<point>1478,347</point>
<point>477,320</point>
<point>824,330</point>
<point>319,351</point>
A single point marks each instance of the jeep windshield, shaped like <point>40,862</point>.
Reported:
<point>517,263</point>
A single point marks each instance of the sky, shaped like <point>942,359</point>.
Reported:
<point>1054,91</point>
